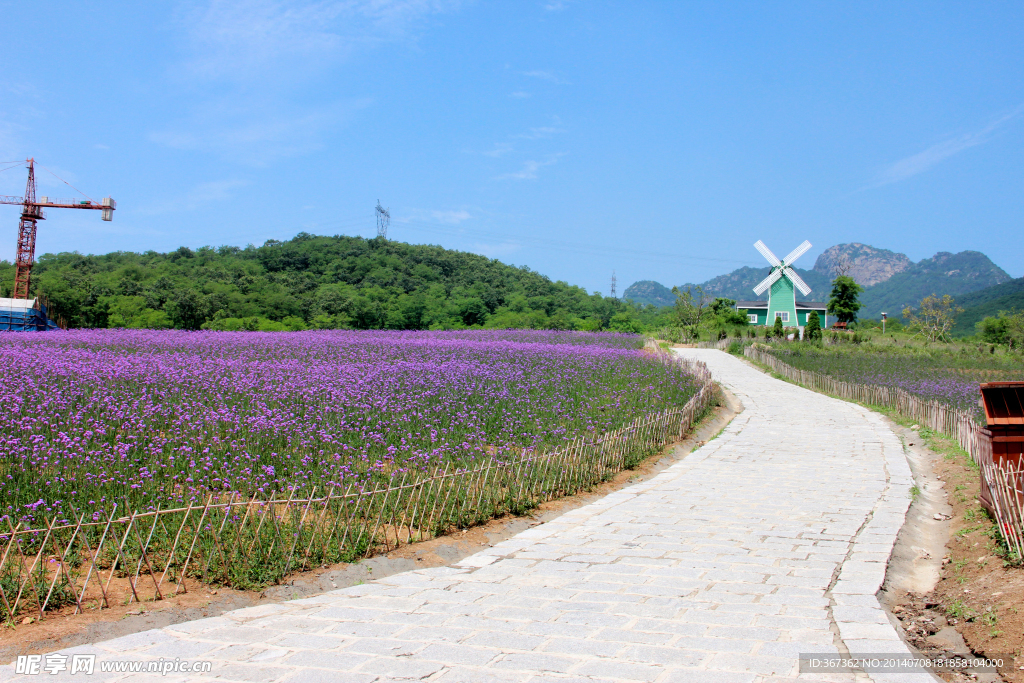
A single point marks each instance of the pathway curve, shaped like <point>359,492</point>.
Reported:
<point>768,541</point>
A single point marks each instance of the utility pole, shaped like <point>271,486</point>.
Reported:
<point>383,221</point>
<point>614,296</point>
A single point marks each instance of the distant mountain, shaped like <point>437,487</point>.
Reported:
<point>740,283</point>
<point>945,273</point>
<point>649,292</point>
<point>1007,296</point>
<point>1011,290</point>
<point>891,280</point>
<point>865,264</point>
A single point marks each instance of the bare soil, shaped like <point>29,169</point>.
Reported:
<point>63,629</point>
<point>977,603</point>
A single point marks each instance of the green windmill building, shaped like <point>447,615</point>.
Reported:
<point>782,285</point>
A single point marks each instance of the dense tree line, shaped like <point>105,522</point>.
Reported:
<point>321,282</point>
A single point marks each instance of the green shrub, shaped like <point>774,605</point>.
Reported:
<point>812,331</point>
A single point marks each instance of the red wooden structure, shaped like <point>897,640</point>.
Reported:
<point>1002,440</point>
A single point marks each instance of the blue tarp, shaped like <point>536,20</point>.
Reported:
<point>24,315</point>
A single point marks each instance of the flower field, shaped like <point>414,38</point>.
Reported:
<point>161,418</point>
<point>947,376</point>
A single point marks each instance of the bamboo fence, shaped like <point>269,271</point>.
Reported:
<point>1006,482</point>
<point>137,556</point>
<point>720,344</point>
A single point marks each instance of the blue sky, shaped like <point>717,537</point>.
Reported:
<point>656,139</point>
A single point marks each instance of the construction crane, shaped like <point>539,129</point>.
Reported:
<point>31,212</point>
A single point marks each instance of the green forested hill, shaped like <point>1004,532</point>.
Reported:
<point>650,292</point>
<point>1008,296</point>
<point>955,274</point>
<point>311,281</point>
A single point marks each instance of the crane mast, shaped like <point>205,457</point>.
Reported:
<point>31,213</point>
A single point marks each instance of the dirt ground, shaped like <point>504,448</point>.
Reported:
<point>977,603</point>
<point>63,629</point>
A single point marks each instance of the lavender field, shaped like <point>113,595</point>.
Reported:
<point>93,417</point>
<point>950,376</point>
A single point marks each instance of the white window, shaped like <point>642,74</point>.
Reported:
<point>752,318</point>
<point>782,314</point>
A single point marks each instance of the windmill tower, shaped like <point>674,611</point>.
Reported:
<point>781,284</point>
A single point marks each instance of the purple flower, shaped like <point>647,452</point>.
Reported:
<point>92,417</point>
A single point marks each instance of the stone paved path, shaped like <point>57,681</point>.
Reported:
<point>769,541</point>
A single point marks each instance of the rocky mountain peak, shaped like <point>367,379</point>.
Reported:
<point>864,263</point>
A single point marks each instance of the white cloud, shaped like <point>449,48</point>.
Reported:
<point>519,94</point>
<point>450,217</point>
<point>242,58</point>
<point>541,132</point>
<point>19,116</point>
<point>556,5</point>
<point>214,191</point>
<point>238,40</point>
<point>544,76</point>
<point>494,250</point>
<point>244,39</point>
<point>538,133</point>
<point>10,141</point>
<point>500,150</point>
<point>256,137</point>
<point>530,168</point>
<point>198,196</point>
<point>922,161</point>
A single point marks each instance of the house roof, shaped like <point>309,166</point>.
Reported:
<point>800,305</point>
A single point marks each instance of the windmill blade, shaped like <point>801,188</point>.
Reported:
<point>797,253</point>
<point>798,281</point>
<point>768,281</point>
<point>767,253</point>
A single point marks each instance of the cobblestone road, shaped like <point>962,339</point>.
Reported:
<point>768,541</point>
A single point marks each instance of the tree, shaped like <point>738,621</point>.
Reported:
<point>188,309</point>
<point>992,329</point>
<point>130,311</point>
<point>721,305</point>
<point>691,308</point>
<point>725,311</point>
<point>812,330</point>
<point>841,265</point>
<point>328,282</point>
<point>1015,330</point>
<point>843,303</point>
<point>1007,328</point>
<point>724,320</point>
<point>778,329</point>
<point>935,317</point>
<point>471,310</point>
<point>624,322</point>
